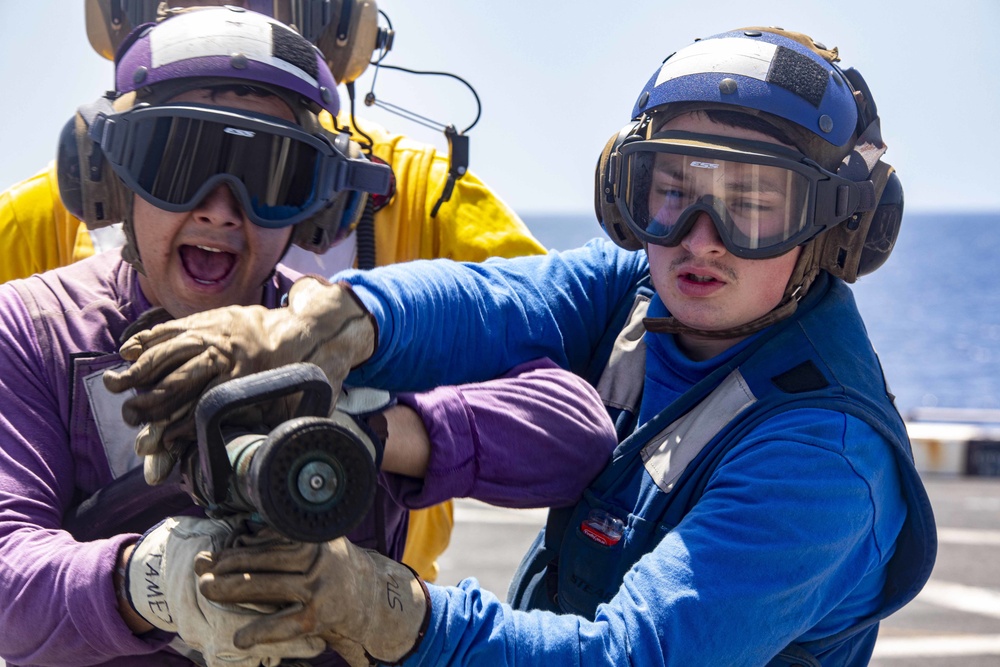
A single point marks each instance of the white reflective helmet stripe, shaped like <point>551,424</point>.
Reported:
<point>175,41</point>
<point>730,55</point>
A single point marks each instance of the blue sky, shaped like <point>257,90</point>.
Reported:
<point>558,77</point>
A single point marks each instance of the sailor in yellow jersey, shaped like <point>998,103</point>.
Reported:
<point>38,233</point>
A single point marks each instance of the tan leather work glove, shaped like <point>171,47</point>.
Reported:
<point>177,361</point>
<point>360,602</point>
<point>162,587</point>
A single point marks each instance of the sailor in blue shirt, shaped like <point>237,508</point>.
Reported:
<point>762,507</point>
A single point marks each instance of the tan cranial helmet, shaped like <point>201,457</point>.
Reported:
<point>346,31</point>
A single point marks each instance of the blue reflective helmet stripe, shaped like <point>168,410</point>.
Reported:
<point>762,71</point>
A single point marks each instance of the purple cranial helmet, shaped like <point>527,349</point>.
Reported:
<point>138,141</point>
<point>225,43</point>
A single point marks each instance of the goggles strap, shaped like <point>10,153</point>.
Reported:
<point>860,163</point>
<point>840,248</point>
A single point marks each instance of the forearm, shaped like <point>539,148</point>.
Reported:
<point>532,438</point>
<point>57,604</point>
<point>61,605</point>
<point>470,626</point>
<point>408,446</point>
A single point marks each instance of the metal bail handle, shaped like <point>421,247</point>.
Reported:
<point>220,401</point>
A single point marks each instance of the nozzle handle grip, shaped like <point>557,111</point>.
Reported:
<point>220,401</point>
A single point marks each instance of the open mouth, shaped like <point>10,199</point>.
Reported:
<point>206,265</point>
<point>695,278</point>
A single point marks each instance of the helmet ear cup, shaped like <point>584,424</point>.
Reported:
<point>351,37</point>
<point>605,198</point>
<point>89,189</point>
<point>68,166</point>
<point>109,21</point>
<point>860,245</point>
<point>328,227</point>
<point>883,230</point>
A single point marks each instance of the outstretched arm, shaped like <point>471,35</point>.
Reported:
<point>532,438</point>
<point>444,322</point>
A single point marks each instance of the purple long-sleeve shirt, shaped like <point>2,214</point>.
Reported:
<point>61,440</point>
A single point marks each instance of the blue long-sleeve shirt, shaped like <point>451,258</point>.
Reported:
<point>791,537</point>
<point>433,315</point>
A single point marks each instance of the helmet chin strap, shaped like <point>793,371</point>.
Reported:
<point>130,251</point>
<point>122,199</point>
<point>806,269</point>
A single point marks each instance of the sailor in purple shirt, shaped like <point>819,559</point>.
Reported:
<point>208,243</point>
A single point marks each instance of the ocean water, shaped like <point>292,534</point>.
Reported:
<point>932,310</point>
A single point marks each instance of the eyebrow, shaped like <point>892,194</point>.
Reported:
<point>771,184</point>
<point>670,164</point>
<point>667,170</point>
<point>765,186</point>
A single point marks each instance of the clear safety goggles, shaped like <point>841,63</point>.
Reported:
<point>173,156</point>
<point>763,199</point>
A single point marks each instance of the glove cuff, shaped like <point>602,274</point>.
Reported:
<point>366,407</point>
<point>372,322</point>
<point>144,584</point>
<point>423,625</point>
<point>333,314</point>
<point>408,601</point>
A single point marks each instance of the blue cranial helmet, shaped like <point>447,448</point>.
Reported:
<point>763,71</point>
<point>788,86</point>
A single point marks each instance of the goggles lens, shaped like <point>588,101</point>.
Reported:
<point>173,156</point>
<point>761,204</point>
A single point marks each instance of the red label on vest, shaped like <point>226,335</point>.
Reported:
<point>598,536</point>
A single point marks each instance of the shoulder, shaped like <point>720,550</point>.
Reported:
<point>102,276</point>
<point>26,214</point>
<point>35,191</point>
<point>825,434</point>
<point>37,233</point>
<point>34,206</point>
<point>833,458</point>
<point>99,295</point>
